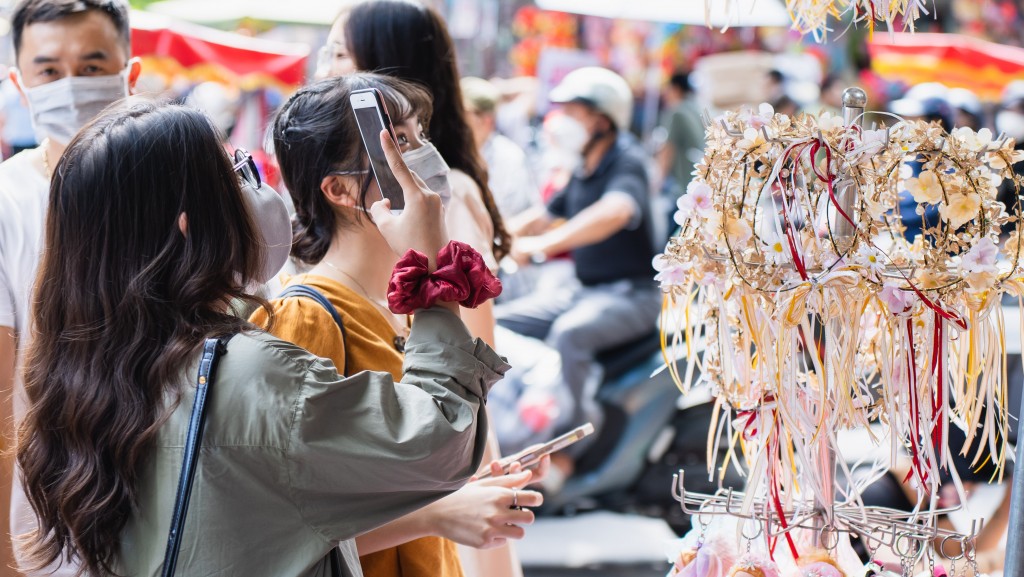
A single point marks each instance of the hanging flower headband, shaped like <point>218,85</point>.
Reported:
<point>793,268</point>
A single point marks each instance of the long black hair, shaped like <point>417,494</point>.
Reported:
<point>315,133</point>
<point>411,41</point>
<point>124,300</point>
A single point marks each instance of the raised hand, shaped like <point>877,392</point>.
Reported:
<point>421,225</point>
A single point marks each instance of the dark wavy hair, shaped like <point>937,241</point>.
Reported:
<point>123,303</point>
<point>315,133</point>
<point>411,41</point>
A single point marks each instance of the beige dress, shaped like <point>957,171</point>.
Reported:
<point>467,218</point>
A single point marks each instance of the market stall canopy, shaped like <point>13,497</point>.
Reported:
<point>175,49</point>
<point>720,14</point>
<point>319,12</point>
<point>957,61</point>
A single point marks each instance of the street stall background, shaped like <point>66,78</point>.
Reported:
<point>260,51</point>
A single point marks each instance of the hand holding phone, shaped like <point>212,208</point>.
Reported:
<point>531,456</point>
<point>421,225</point>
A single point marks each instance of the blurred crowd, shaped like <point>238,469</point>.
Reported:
<point>555,191</point>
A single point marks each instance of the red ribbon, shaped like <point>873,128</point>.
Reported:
<point>938,368</point>
<point>915,408</point>
<point>773,464</point>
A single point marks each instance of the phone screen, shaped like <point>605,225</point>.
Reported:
<point>371,122</point>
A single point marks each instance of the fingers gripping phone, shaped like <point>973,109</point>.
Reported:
<point>530,456</point>
<point>372,117</point>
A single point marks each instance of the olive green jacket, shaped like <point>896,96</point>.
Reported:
<point>296,459</point>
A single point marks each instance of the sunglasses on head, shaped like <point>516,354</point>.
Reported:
<point>245,166</point>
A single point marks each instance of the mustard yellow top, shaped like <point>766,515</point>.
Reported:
<point>369,346</point>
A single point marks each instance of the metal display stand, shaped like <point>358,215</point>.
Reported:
<point>1014,565</point>
<point>877,527</point>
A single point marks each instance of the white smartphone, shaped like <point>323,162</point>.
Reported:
<point>530,456</point>
<point>372,117</point>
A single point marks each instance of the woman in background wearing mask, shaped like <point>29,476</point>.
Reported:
<point>317,144</point>
<point>410,41</point>
<point>148,240</point>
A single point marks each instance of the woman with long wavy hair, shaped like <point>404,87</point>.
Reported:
<point>148,240</point>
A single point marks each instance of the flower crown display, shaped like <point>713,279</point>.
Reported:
<point>812,312</point>
<point>812,16</point>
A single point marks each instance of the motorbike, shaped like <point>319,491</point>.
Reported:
<point>650,431</point>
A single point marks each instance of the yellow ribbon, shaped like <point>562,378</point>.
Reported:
<point>795,310</point>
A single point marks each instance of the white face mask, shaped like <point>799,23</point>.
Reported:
<point>572,135</point>
<point>1012,123</point>
<point>62,107</point>
<point>567,138</point>
<point>427,163</point>
<point>273,224</point>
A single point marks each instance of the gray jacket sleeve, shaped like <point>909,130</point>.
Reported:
<point>366,450</point>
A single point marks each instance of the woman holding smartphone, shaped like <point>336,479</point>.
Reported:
<point>148,239</point>
<point>410,41</point>
<point>317,143</point>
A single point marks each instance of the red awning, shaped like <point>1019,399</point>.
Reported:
<point>175,49</point>
<point>954,60</point>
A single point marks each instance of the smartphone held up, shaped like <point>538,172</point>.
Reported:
<point>372,117</point>
<point>531,456</point>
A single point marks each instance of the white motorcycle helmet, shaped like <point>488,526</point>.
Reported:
<point>601,88</point>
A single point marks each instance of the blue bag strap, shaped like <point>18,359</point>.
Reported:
<point>301,290</point>
<point>212,349</point>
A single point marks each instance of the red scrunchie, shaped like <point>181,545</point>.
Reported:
<point>461,276</point>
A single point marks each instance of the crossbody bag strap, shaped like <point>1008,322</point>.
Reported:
<point>301,290</point>
<point>212,350</point>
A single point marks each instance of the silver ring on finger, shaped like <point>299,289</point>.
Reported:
<point>515,498</point>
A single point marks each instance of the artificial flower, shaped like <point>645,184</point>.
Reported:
<point>961,209</point>
<point>897,300</point>
<point>1012,245</point>
<point>925,188</point>
<point>975,141</point>
<point>871,143</point>
<point>673,275</point>
<point>828,122</point>
<point>927,278</point>
<point>737,230</point>
<point>997,159</point>
<point>871,260</point>
<point>711,230</point>
<point>753,141</point>
<point>697,198</point>
<point>981,257</point>
<point>982,280</point>
<point>777,253</point>
<point>764,115</point>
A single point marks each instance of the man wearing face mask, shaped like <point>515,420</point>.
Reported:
<point>72,61</point>
<point>606,212</point>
